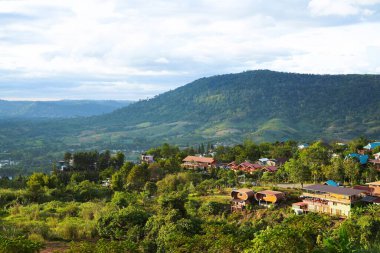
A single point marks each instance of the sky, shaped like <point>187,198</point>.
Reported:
<point>130,49</point>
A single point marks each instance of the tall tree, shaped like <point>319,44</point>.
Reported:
<point>298,172</point>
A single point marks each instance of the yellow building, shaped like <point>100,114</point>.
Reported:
<point>328,199</point>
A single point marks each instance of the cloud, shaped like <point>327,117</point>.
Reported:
<point>342,7</point>
<point>135,49</point>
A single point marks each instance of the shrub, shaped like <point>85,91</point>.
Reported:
<point>18,245</point>
<point>74,229</point>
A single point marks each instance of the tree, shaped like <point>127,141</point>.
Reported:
<point>314,157</point>
<point>117,160</point>
<point>298,172</point>
<point>351,170</point>
<point>36,184</point>
<point>117,181</point>
<point>150,188</point>
<point>104,160</point>
<point>334,171</point>
<point>37,181</point>
<point>138,176</point>
<point>67,157</point>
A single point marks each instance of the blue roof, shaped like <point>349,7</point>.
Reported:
<point>372,145</point>
<point>363,159</point>
<point>332,183</point>
<point>353,155</point>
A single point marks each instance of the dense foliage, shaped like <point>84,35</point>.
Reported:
<point>160,207</point>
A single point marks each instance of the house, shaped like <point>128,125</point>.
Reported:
<point>249,167</point>
<point>331,183</point>
<point>232,165</point>
<point>106,183</point>
<point>376,163</point>
<point>372,145</point>
<point>375,186</point>
<point>328,199</point>
<point>241,198</point>
<point>62,166</point>
<point>268,196</point>
<point>363,159</point>
<point>198,162</point>
<point>263,161</point>
<point>373,192</point>
<point>270,169</point>
<point>302,146</point>
<point>146,159</point>
<point>299,207</point>
<point>276,162</point>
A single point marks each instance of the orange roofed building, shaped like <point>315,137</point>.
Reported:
<point>197,162</point>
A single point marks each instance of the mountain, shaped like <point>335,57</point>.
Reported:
<point>260,105</point>
<point>58,109</point>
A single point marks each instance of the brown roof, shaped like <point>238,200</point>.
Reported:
<point>270,192</point>
<point>333,189</point>
<point>377,183</point>
<point>365,188</point>
<point>198,159</point>
<point>243,190</point>
<point>243,193</point>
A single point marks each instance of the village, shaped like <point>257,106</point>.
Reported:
<point>190,198</point>
<point>328,197</point>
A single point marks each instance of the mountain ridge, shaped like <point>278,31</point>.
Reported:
<point>59,108</point>
<point>261,105</point>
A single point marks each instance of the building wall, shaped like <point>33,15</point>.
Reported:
<point>376,190</point>
<point>332,208</point>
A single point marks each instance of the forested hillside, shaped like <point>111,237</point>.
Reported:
<point>259,105</point>
<point>58,109</point>
<point>262,105</point>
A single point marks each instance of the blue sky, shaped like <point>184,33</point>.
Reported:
<point>121,49</point>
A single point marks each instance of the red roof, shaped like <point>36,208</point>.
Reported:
<point>247,166</point>
<point>271,168</point>
<point>199,159</point>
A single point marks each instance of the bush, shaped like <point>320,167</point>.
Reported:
<point>74,229</point>
<point>103,246</point>
<point>212,208</point>
<point>18,245</point>
<point>116,225</point>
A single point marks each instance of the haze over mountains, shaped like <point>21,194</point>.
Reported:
<point>259,105</point>
<point>58,109</point>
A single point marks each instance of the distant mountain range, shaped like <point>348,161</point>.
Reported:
<point>58,109</point>
<point>260,105</point>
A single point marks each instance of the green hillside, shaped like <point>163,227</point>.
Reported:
<point>260,105</point>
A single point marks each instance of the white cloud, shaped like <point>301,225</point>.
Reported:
<point>341,7</point>
<point>140,48</point>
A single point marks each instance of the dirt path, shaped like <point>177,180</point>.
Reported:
<point>55,247</point>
